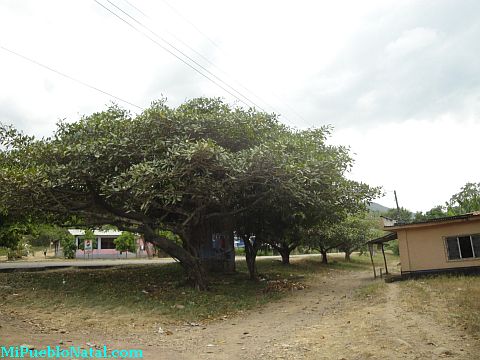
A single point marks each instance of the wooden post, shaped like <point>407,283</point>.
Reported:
<point>398,208</point>
<point>370,246</point>
<point>385,260</point>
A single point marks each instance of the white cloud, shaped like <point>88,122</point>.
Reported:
<point>425,161</point>
<point>410,41</point>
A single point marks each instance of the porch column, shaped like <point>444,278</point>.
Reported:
<point>370,250</point>
<point>384,260</point>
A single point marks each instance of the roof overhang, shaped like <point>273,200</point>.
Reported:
<point>100,233</point>
<point>383,239</point>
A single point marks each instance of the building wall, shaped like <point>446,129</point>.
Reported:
<point>424,248</point>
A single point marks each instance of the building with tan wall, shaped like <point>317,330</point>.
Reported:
<point>440,245</point>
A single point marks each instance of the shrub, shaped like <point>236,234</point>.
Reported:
<point>67,241</point>
<point>125,242</point>
<point>22,249</point>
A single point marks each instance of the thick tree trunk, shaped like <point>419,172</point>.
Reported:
<point>324,256</point>
<point>191,264</point>
<point>251,251</point>
<point>285,253</point>
<point>196,274</point>
<point>347,256</point>
<point>252,265</point>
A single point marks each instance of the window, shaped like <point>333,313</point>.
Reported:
<point>476,244</point>
<point>463,247</point>
<point>107,243</point>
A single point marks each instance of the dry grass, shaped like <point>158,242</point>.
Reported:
<point>458,297</point>
<point>128,297</point>
<point>152,290</point>
<point>372,293</point>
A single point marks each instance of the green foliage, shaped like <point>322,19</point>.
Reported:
<point>355,231</point>
<point>434,213</point>
<point>170,236</point>
<point>347,235</point>
<point>181,169</point>
<point>404,215</point>
<point>11,235</point>
<point>67,241</point>
<point>465,201</point>
<point>21,249</point>
<point>44,234</point>
<point>12,232</point>
<point>108,227</point>
<point>89,235</point>
<point>393,246</point>
<point>125,242</point>
<point>310,187</point>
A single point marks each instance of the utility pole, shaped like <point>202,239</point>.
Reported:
<point>398,208</point>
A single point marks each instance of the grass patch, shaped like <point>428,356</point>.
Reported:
<point>363,262</point>
<point>158,290</point>
<point>372,291</point>
<point>456,296</point>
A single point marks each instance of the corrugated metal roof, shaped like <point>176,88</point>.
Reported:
<point>384,238</point>
<point>436,220</point>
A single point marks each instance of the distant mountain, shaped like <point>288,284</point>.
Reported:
<point>377,207</point>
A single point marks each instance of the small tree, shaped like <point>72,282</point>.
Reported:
<point>11,234</point>
<point>354,232</point>
<point>321,237</point>
<point>125,242</point>
<point>67,241</point>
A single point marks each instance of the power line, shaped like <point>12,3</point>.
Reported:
<point>245,99</point>
<point>69,77</point>
<point>207,60</point>
<point>176,11</point>
<point>199,54</point>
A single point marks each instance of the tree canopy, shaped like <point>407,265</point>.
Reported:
<point>466,200</point>
<point>186,169</point>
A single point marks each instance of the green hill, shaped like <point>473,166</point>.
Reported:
<point>377,207</point>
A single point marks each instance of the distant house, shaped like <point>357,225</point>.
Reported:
<point>105,246</point>
<point>448,244</point>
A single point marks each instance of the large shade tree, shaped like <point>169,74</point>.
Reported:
<point>190,170</point>
<point>173,169</point>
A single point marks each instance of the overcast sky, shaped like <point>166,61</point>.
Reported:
<point>398,80</point>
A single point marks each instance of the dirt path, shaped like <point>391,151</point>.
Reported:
<point>325,321</point>
<point>386,329</point>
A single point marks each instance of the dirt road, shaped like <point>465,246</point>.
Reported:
<point>327,320</point>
